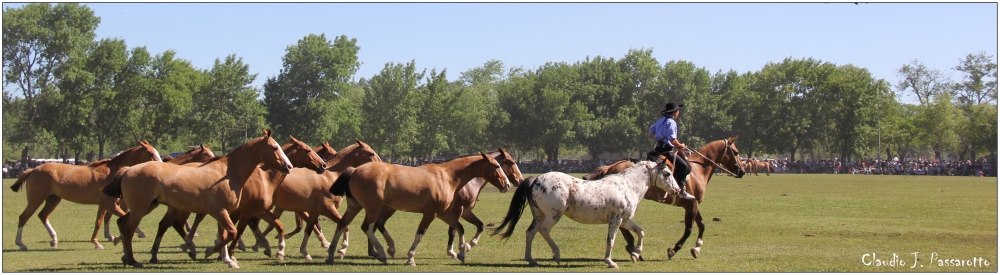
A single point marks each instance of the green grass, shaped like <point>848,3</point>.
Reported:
<point>779,223</point>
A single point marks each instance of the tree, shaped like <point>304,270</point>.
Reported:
<point>165,105</point>
<point>226,107</point>
<point>850,93</point>
<point>925,83</point>
<point>109,64</point>
<point>435,122</point>
<point>305,98</point>
<point>979,83</point>
<point>937,123</point>
<point>642,71</point>
<point>478,110</point>
<point>37,39</point>
<point>388,110</point>
<point>608,116</point>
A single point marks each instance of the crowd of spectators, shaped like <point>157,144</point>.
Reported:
<point>985,166</point>
<point>11,169</point>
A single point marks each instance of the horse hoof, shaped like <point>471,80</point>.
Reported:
<point>255,247</point>
<point>474,242</point>
<point>241,246</point>
<point>115,240</point>
<point>466,247</point>
<point>452,254</point>
<point>410,262</point>
<point>695,252</point>
<point>267,252</point>
<point>325,244</point>
<point>193,254</point>
<point>309,258</point>
<point>99,247</point>
<point>141,234</point>
<point>461,257</point>
<point>329,261</point>
<point>281,257</point>
<point>635,257</point>
<point>136,265</point>
<point>341,253</point>
<point>154,261</point>
<point>532,263</point>
<point>641,259</point>
<point>380,259</point>
<point>612,265</point>
<point>392,252</point>
<point>670,254</point>
<point>23,247</point>
<point>195,235</point>
<point>54,244</point>
<point>233,265</point>
<point>184,247</point>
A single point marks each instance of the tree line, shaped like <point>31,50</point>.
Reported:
<point>68,94</point>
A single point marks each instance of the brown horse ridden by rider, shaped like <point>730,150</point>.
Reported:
<point>721,154</point>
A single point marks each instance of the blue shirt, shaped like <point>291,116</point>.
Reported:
<point>664,129</point>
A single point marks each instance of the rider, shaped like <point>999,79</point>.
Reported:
<point>665,133</point>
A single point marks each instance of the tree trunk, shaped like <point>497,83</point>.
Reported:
<point>24,155</point>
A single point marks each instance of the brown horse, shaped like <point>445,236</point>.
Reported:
<point>428,189</point>
<point>324,150</point>
<point>214,188</point>
<point>308,192</point>
<point>465,198</point>
<point>257,194</point>
<point>50,183</point>
<point>755,165</point>
<point>721,153</point>
<point>196,154</point>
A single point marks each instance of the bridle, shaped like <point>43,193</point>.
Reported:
<point>717,165</point>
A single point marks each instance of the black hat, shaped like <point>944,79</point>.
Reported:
<point>670,108</point>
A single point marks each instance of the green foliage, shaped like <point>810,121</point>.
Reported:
<point>226,107</point>
<point>389,109</point>
<point>305,98</point>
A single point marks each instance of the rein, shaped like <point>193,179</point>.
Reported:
<point>716,164</point>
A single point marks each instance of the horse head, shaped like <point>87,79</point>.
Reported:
<point>325,151</point>
<point>493,173</point>
<point>730,157</point>
<point>509,166</point>
<point>268,152</point>
<point>197,153</point>
<point>661,176</point>
<point>135,155</point>
<point>365,153</point>
<point>301,155</point>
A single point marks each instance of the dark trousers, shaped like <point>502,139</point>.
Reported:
<point>681,167</point>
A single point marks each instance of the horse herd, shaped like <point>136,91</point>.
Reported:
<point>260,180</point>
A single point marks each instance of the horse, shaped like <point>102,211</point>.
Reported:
<point>428,189</point>
<point>255,197</point>
<point>325,152</point>
<point>611,200</point>
<point>214,187</point>
<point>196,154</point>
<point>308,193</point>
<point>51,182</point>
<point>465,198</point>
<point>721,154</point>
<point>761,166</point>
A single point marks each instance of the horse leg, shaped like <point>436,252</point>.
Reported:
<point>383,217</point>
<point>50,204</point>
<point>316,228</point>
<point>273,221</point>
<point>545,227</point>
<point>636,252</point>
<point>260,238</point>
<point>471,218</point>
<point>629,242</point>
<point>421,229</point>
<point>701,231</point>
<point>191,233</point>
<point>168,220</point>
<point>330,211</point>
<point>689,213</point>
<point>127,226</point>
<point>353,208</point>
<point>312,219</point>
<point>228,234</point>
<point>613,226</point>
<point>529,235</point>
<point>101,213</point>
<point>453,223</point>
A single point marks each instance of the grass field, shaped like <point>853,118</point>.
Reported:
<point>768,224</point>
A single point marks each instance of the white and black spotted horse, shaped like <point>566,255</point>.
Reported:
<point>611,200</point>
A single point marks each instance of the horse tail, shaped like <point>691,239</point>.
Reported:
<point>516,207</point>
<point>114,187</point>
<point>342,186</point>
<point>20,180</point>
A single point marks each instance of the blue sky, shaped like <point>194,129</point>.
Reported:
<point>458,36</point>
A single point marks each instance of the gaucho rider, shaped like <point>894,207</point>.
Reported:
<point>665,133</point>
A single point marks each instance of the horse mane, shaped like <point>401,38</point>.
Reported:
<point>349,147</point>
<point>490,153</point>
<point>98,163</point>
<point>119,157</point>
<point>602,171</point>
<point>211,160</point>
